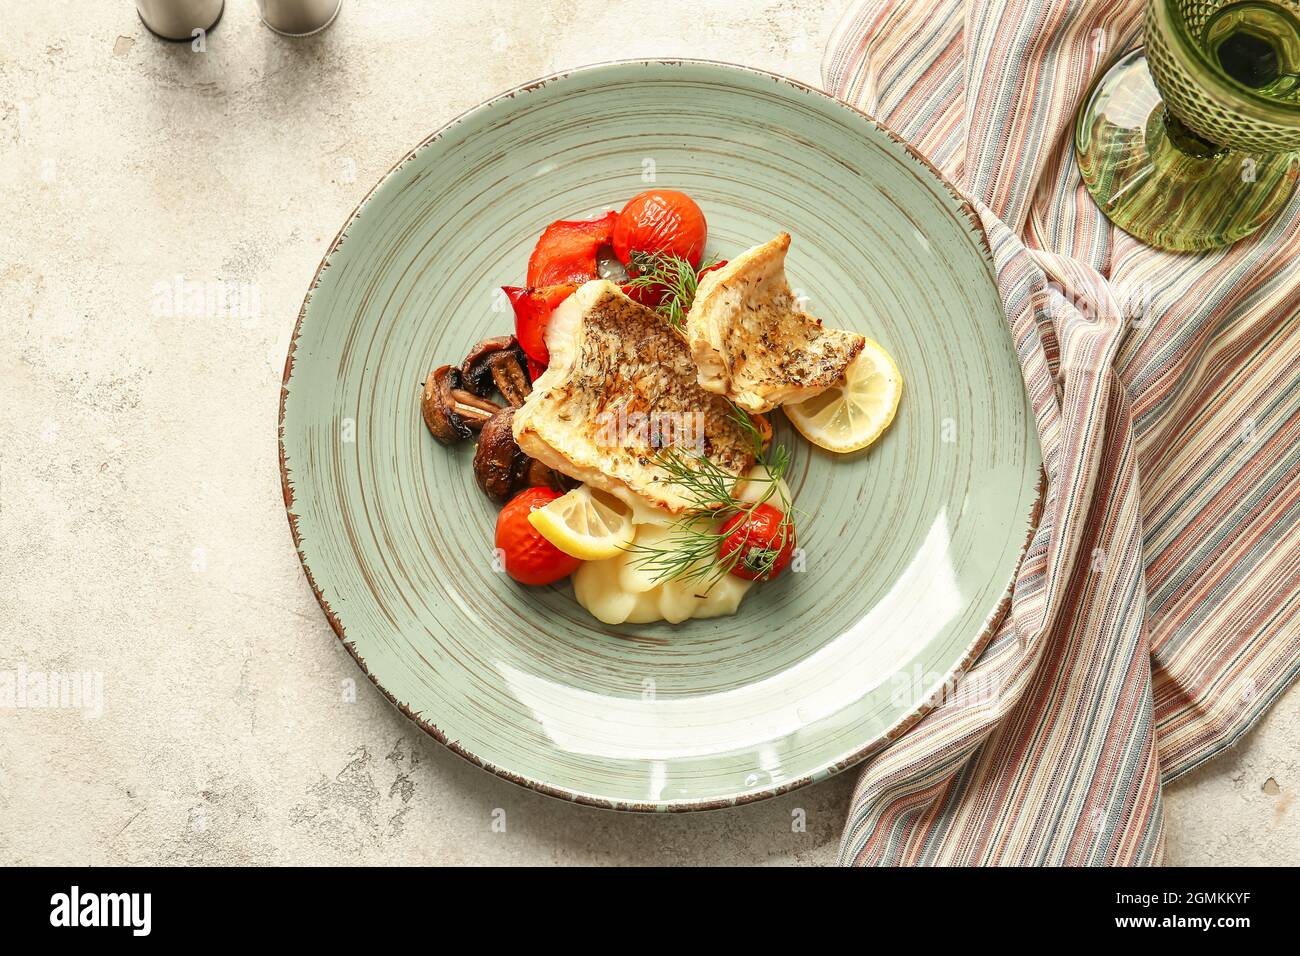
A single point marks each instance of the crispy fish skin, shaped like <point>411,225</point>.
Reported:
<point>753,343</point>
<point>620,384</point>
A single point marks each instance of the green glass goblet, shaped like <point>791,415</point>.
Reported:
<point>1194,141</point>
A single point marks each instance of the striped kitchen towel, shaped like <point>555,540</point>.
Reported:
<point>1157,611</point>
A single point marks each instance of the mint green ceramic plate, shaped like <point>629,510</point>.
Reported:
<point>911,546</point>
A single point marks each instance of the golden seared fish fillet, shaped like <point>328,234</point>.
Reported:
<point>620,386</point>
<point>751,340</point>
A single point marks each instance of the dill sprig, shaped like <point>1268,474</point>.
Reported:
<point>691,551</point>
<point>705,484</point>
<point>673,277</point>
<point>745,422</point>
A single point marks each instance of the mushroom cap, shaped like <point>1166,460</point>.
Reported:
<point>476,371</point>
<point>438,406</point>
<point>498,460</point>
<point>510,376</point>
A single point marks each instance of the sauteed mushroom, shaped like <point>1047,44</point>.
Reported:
<point>500,465</point>
<point>498,460</point>
<point>475,372</point>
<point>455,405</point>
<point>510,376</point>
<point>497,363</point>
<point>451,412</point>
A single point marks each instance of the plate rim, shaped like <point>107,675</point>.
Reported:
<point>904,723</point>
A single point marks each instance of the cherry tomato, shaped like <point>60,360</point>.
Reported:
<point>661,221</point>
<point>765,538</point>
<point>533,309</point>
<point>567,250</point>
<point>529,558</point>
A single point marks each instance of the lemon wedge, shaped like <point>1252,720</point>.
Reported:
<point>855,411</point>
<point>586,523</point>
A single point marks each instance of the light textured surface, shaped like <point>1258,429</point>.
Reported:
<point>140,514</point>
<point>817,667</point>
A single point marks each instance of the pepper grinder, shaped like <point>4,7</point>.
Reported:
<point>299,18</point>
<point>178,19</point>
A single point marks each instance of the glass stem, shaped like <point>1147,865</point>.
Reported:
<point>1186,141</point>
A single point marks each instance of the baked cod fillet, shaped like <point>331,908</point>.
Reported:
<point>753,343</point>
<point>620,386</point>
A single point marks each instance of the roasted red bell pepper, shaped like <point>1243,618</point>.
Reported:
<point>533,309</point>
<point>566,252</point>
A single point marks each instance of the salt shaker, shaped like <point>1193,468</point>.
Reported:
<point>178,19</point>
<point>299,18</point>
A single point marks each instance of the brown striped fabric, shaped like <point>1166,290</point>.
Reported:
<point>1157,612</point>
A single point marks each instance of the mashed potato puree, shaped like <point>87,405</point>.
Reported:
<point>616,591</point>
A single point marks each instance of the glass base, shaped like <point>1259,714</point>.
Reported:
<point>1159,181</point>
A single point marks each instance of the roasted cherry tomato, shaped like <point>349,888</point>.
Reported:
<point>567,250</point>
<point>712,268</point>
<point>661,221</point>
<point>529,558</point>
<point>533,309</point>
<point>765,538</point>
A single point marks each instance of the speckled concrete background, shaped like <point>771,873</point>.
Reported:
<point>142,533</point>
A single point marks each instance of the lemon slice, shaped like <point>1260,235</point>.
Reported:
<point>586,523</point>
<point>855,411</point>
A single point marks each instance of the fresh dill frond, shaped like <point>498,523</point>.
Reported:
<point>689,552</point>
<point>692,549</point>
<point>705,484</point>
<point>745,422</point>
<point>673,278</point>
